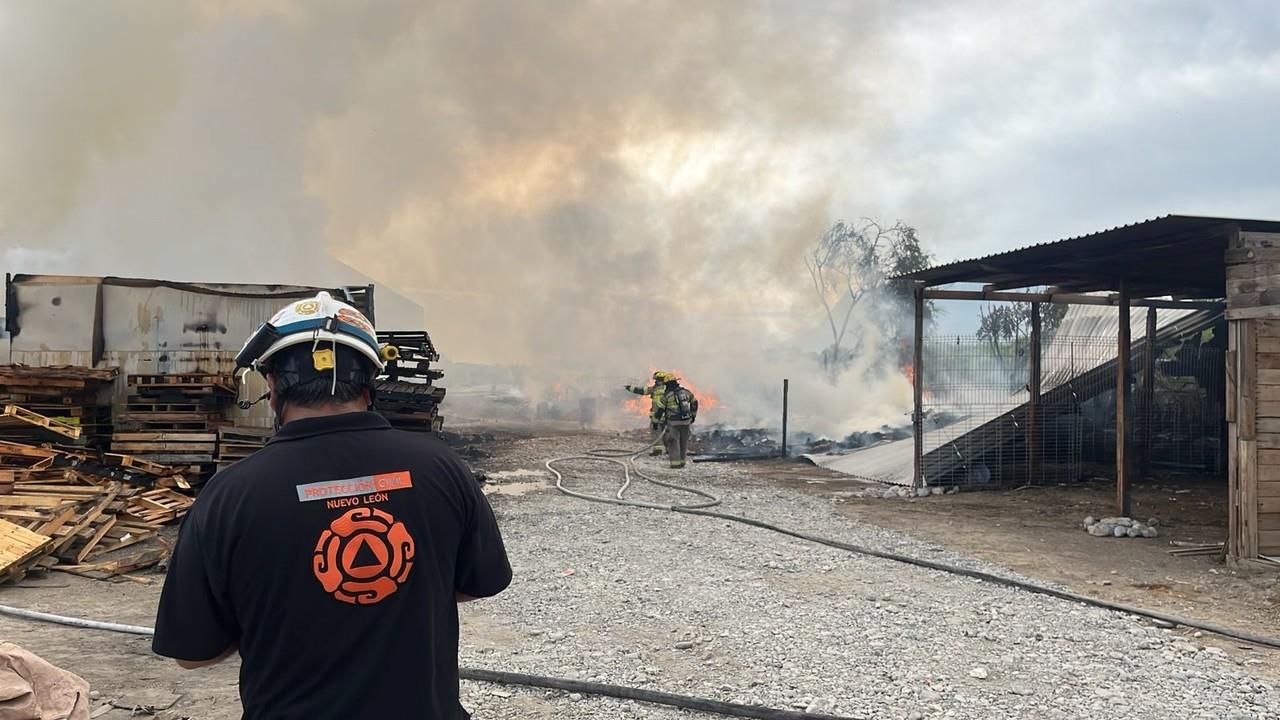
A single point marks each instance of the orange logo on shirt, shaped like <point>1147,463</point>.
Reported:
<point>363,556</point>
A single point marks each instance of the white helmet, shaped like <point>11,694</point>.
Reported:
<point>321,321</point>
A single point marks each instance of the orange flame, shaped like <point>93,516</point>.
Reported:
<point>639,405</point>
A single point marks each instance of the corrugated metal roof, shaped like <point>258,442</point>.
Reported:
<point>1173,254</point>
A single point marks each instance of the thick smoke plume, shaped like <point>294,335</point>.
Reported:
<point>588,189</point>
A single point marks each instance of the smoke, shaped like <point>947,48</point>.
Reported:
<point>591,189</point>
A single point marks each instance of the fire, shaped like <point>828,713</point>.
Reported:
<point>638,405</point>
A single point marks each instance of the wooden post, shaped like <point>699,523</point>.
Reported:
<point>1122,404</point>
<point>1033,399</point>
<point>917,390</point>
<point>1148,391</point>
<point>786,387</point>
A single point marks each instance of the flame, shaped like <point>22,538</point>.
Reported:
<point>639,405</point>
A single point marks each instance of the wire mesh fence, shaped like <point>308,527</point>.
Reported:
<point>977,429</point>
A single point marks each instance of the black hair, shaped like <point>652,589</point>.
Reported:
<point>298,383</point>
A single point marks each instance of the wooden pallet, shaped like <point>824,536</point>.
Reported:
<point>14,417</point>
<point>18,547</point>
<point>159,506</point>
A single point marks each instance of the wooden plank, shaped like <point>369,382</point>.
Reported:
<point>1239,256</point>
<point>1256,240</point>
<point>1268,284</point>
<point>1248,524</point>
<point>15,415</point>
<point>88,547</point>
<point>1233,477</point>
<point>1268,376</point>
<point>164,436</point>
<point>169,447</point>
<point>1268,440</point>
<point>1123,350</point>
<point>917,392</point>
<point>1269,505</point>
<point>1269,542</point>
<point>1269,457</point>
<point>1269,488</point>
<point>1247,380</point>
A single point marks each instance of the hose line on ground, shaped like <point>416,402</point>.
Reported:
<point>758,712</point>
<point>700,509</point>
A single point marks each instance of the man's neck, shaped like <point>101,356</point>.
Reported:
<point>296,412</point>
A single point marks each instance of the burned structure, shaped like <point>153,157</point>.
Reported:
<point>1212,280</point>
<point>173,346</point>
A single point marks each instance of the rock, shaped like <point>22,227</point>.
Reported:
<point>1089,521</point>
<point>979,673</point>
<point>684,645</point>
<point>953,489</point>
<point>1120,531</point>
<point>1100,529</point>
<point>923,492</point>
<point>1165,624</point>
<point>890,493</point>
<point>1022,689</point>
<point>1153,521</point>
<point>915,715</point>
<point>1123,522</point>
<point>1150,533</point>
<point>95,695</point>
<point>1133,532</point>
<point>575,696</point>
<point>937,490</point>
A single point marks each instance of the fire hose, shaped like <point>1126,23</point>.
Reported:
<point>629,468</point>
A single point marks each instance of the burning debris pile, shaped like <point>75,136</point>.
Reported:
<point>749,442</point>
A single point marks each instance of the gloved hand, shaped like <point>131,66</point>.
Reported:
<point>630,388</point>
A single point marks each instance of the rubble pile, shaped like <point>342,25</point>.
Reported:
<point>1121,527</point>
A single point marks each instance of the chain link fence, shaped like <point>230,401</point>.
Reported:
<point>976,409</point>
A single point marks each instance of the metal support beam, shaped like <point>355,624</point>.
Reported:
<point>1122,404</point>
<point>1033,399</point>
<point>1069,299</point>
<point>917,390</point>
<point>1148,392</point>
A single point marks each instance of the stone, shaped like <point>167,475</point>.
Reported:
<point>1100,529</point>
<point>1133,532</point>
<point>890,493</point>
<point>953,489</point>
<point>979,673</point>
<point>1120,531</point>
<point>1123,522</point>
<point>1089,521</point>
<point>1165,624</point>
<point>1150,532</point>
<point>937,490</point>
<point>1022,689</point>
<point>575,696</point>
<point>1153,521</point>
<point>922,492</point>
<point>684,645</point>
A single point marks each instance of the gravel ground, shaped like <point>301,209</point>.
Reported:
<point>720,610</point>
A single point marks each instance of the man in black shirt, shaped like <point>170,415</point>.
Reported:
<point>334,558</point>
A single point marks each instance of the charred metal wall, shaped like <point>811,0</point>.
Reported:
<point>139,326</point>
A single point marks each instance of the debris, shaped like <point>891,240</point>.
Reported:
<point>1119,527</point>
<point>979,673</point>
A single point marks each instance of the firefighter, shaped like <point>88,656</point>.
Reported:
<point>679,411</point>
<point>654,392</point>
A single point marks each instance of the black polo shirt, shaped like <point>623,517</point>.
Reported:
<point>331,558</point>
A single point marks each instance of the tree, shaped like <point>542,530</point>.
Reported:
<point>1011,324</point>
<point>850,267</point>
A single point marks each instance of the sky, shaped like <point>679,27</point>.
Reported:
<point>600,188</point>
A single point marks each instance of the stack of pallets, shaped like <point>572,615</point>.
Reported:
<point>72,396</point>
<point>238,443</point>
<point>174,419</point>
<point>407,395</point>
<point>58,511</point>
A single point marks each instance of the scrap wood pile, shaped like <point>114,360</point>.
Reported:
<point>406,392</point>
<point>68,516</point>
<point>73,400</point>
